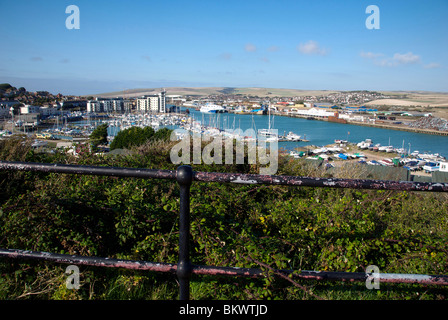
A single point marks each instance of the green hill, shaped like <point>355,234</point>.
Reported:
<point>5,86</point>
<point>204,91</point>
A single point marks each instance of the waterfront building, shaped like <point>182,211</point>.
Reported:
<point>309,104</point>
<point>323,105</point>
<point>109,105</point>
<point>73,104</point>
<point>46,111</point>
<point>93,106</point>
<point>27,109</point>
<point>175,99</point>
<point>28,119</point>
<point>313,112</point>
<point>127,106</point>
<point>152,103</point>
<point>141,104</point>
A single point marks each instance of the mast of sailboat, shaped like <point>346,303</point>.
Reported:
<point>269,116</point>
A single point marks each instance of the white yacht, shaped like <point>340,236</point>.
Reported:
<point>268,134</point>
<point>291,136</point>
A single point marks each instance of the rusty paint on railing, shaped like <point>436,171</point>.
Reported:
<point>88,261</point>
<point>320,182</point>
<point>230,177</point>
<point>223,271</point>
<point>89,170</point>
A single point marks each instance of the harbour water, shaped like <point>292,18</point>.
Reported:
<point>320,133</point>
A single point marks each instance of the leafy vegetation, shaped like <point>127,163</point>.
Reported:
<point>99,135</point>
<point>268,227</point>
<point>137,136</point>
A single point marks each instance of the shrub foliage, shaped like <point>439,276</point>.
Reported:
<point>268,227</point>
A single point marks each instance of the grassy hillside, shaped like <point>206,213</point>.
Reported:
<point>204,91</point>
<point>297,228</point>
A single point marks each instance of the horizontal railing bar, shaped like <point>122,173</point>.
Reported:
<point>320,182</point>
<point>222,271</point>
<point>230,177</point>
<point>88,261</point>
<point>89,170</point>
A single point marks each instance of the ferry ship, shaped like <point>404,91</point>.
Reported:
<point>212,108</point>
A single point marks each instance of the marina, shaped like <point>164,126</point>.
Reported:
<point>298,137</point>
<point>322,133</point>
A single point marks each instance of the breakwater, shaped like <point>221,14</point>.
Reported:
<point>401,128</point>
<point>376,125</point>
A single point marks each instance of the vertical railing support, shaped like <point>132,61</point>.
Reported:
<point>184,177</point>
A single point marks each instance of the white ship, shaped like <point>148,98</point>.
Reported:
<point>212,108</point>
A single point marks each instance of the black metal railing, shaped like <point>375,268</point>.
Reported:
<point>185,176</point>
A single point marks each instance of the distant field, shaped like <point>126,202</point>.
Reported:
<point>271,92</point>
<point>393,102</point>
<point>203,91</point>
<point>398,98</point>
<point>171,90</point>
<point>433,102</point>
<point>414,98</point>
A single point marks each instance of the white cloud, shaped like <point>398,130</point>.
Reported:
<point>370,55</point>
<point>225,56</point>
<point>273,49</point>
<point>396,60</point>
<point>432,65</point>
<point>407,58</point>
<point>249,47</point>
<point>311,47</point>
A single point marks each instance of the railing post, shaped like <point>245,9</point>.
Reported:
<point>184,177</point>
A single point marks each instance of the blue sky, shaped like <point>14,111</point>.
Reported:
<point>281,44</point>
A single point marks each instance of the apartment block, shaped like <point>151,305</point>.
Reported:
<point>152,103</point>
<point>109,105</point>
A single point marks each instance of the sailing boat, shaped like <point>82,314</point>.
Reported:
<point>268,134</point>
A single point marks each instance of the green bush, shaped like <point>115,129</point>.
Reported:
<point>260,226</point>
<point>99,135</point>
<point>136,136</point>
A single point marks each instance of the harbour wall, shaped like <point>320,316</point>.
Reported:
<point>374,125</point>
